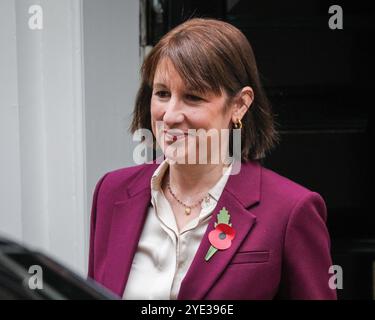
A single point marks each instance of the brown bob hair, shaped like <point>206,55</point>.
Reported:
<point>211,56</point>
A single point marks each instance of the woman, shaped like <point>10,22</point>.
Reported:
<point>226,229</point>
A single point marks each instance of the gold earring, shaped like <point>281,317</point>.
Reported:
<point>238,125</point>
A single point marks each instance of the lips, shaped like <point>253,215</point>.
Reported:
<point>174,135</point>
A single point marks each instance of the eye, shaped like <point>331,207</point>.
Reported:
<point>193,97</point>
<point>162,94</point>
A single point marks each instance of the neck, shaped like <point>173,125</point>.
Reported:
<point>192,181</point>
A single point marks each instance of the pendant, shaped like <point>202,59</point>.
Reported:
<point>187,210</point>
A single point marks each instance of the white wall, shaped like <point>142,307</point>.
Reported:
<point>66,95</point>
<point>10,179</point>
<point>51,130</point>
<point>111,55</point>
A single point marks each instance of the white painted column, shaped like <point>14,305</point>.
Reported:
<point>52,130</point>
<point>10,176</point>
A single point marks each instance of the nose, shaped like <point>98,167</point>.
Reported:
<point>173,114</point>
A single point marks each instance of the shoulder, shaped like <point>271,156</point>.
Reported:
<point>121,175</point>
<point>292,196</point>
<point>254,176</point>
<point>113,185</point>
<point>282,186</point>
<point>277,195</point>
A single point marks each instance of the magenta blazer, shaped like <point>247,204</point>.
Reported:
<point>281,249</point>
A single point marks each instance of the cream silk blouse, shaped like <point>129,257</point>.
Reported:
<point>164,253</point>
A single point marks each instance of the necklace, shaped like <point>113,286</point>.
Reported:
<point>187,208</point>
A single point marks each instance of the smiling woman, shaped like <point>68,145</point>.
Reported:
<point>204,230</point>
<point>209,62</point>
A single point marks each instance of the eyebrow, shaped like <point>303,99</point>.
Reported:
<point>187,88</point>
<point>160,85</point>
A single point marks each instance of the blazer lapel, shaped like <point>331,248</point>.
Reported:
<point>127,223</point>
<point>202,274</point>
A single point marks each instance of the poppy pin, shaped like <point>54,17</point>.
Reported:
<point>223,234</point>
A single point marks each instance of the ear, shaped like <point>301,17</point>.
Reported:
<point>243,102</point>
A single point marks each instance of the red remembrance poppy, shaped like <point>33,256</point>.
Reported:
<point>221,237</point>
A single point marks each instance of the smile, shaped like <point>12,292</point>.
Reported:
<point>174,134</point>
<point>175,137</point>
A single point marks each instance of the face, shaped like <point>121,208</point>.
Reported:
<point>177,112</point>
